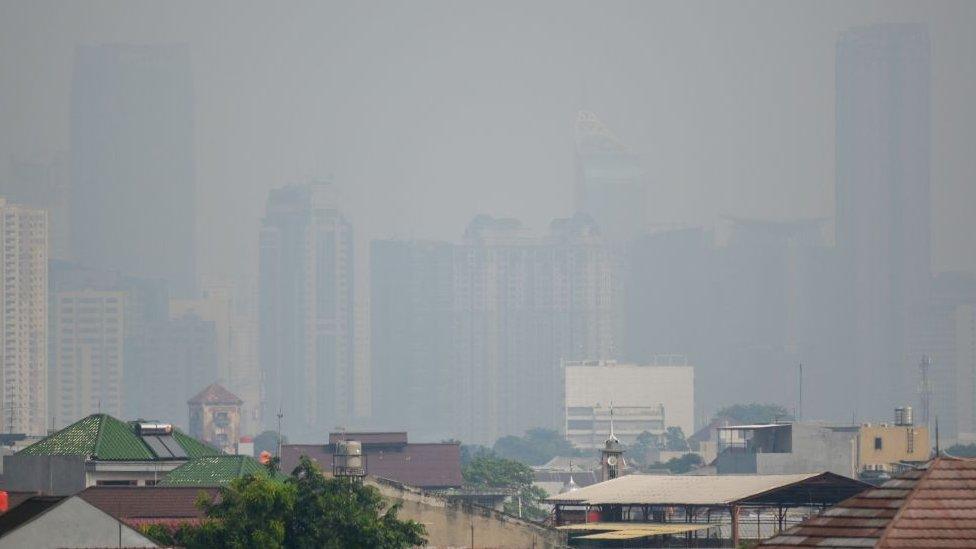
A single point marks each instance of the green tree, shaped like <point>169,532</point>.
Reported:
<point>683,464</point>
<point>306,511</point>
<point>487,470</point>
<point>268,440</point>
<point>747,414</point>
<point>536,447</point>
<point>674,440</point>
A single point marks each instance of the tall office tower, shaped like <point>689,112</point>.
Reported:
<point>883,204</point>
<point>176,357</point>
<point>88,354</point>
<point>610,184</point>
<point>522,305</point>
<point>132,166</point>
<point>307,340</point>
<point>411,311</point>
<point>43,184</point>
<point>23,339</point>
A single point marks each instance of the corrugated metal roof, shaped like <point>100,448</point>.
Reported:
<point>678,489</point>
<point>930,507</point>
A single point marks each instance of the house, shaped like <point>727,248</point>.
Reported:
<point>430,466</point>
<point>932,506</point>
<point>43,522</point>
<point>100,450</point>
<point>138,506</point>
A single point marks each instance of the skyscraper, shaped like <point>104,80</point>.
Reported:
<point>882,199</point>
<point>609,181</point>
<point>132,166</point>
<point>43,184</point>
<point>23,338</point>
<point>307,340</point>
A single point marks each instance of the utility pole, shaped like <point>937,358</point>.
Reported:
<point>799,410</point>
<point>278,451</point>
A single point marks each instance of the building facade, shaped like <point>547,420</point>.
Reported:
<point>215,417</point>
<point>43,183</point>
<point>132,164</point>
<point>648,398</point>
<point>23,339</point>
<point>306,307</point>
<point>883,202</point>
<point>88,355</point>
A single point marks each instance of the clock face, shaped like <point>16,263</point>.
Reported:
<point>612,460</point>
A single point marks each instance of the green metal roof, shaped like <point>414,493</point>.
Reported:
<point>214,471</point>
<point>102,437</point>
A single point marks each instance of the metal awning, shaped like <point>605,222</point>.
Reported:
<point>633,530</point>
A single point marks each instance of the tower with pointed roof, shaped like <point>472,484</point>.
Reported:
<point>215,417</point>
<point>612,454</point>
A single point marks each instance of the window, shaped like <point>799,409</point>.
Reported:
<point>877,443</point>
<point>115,483</point>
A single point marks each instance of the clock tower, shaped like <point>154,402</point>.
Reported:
<point>611,455</point>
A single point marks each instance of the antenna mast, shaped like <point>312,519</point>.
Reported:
<point>278,451</point>
<point>925,388</point>
<point>799,408</point>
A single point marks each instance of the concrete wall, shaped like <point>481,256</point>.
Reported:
<point>814,449</point>
<point>52,475</point>
<point>450,524</point>
<point>894,445</point>
<point>74,523</point>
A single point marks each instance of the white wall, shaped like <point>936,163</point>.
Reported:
<point>73,523</point>
<point>632,385</point>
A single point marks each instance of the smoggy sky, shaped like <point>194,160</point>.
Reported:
<point>427,113</point>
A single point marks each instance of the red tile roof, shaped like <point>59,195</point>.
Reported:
<point>147,502</point>
<point>930,507</point>
<point>215,394</point>
<point>434,465</point>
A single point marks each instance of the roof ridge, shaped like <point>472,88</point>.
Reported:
<point>911,496</point>
<point>99,432</point>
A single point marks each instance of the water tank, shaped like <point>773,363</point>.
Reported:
<point>348,459</point>
<point>904,416</point>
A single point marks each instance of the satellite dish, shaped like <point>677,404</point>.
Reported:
<point>612,460</point>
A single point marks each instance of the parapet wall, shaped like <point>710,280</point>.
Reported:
<point>451,524</point>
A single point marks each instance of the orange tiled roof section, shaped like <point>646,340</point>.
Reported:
<point>930,507</point>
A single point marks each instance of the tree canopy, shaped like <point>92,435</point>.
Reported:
<point>268,440</point>
<point>536,447</point>
<point>754,413</point>
<point>306,511</point>
<point>674,439</point>
<point>486,470</point>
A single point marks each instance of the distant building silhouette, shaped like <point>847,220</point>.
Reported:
<point>43,183</point>
<point>609,180</point>
<point>24,319</point>
<point>307,342</point>
<point>215,417</point>
<point>132,167</point>
<point>882,198</point>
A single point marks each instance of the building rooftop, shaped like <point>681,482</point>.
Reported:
<point>215,394</point>
<point>425,465</point>
<point>213,471</point>
<point>717,490</point>
<point>28,510</point>
<point>147,504</point>
<point>104,438</point>
<point>934,506</point>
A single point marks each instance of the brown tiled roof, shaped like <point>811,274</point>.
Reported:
<point>215,394</point>
<point>15,498</point>
<point>435,465</point>
<point>147,502</point>
<point>930,507</point>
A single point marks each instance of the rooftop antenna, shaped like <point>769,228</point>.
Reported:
<point>278,450</point>
<point>925,388</point>
<point>937,452</point>
<point>799,408</point>
<point>612,436</point>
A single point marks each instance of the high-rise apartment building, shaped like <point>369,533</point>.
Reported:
<point>883,202</point>
<point>610,184</point>
<point>43,183</point>
<point>88,355</point>
<point>521,306</point>
<point>23,338</point>
<point>132,166</point>
<point>307,339</point>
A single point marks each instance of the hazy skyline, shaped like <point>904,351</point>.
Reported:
<point>426,114</point>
